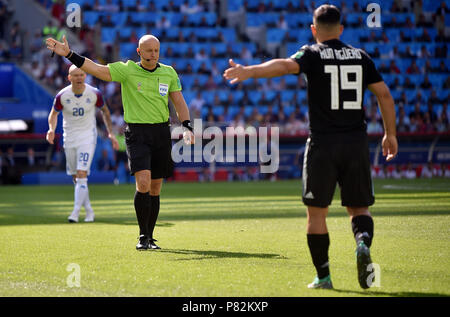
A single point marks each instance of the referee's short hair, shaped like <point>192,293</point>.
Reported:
<point>327,15</point>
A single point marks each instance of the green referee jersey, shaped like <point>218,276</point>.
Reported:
<point>145,94</point>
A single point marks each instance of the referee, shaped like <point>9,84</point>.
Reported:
<point>146,89</point>
<point>337,150</point>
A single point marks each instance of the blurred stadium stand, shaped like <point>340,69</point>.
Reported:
<point>198,37</point>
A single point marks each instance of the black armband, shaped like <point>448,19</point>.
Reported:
<point>187,125</point>
<point>76,59</point>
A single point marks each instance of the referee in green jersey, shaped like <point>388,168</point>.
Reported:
<point>146,89</point>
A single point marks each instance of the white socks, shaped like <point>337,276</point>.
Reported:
<point>81,192</point>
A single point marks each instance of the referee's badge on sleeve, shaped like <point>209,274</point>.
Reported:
<point>163,89</point>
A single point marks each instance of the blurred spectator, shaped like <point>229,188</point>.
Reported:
<point>196,105</point>
<point>402,121</point>
<point>3,18</point>
<point>163,23</point>
<point>12,170</point>
<point>185,8</point>
<point>413,68</point>
<point>410,172</point>
<point>423,53</point>
<point>374,127</point>
<point>426,83</point>
<point>407,84</point>
<point>427,170</point>
<point>49,30</point>
<point>109,7</point>
<point>422,22</point>
<point>105,163</point>
<point>393,68</point>
<point>246,55</point>
<point>201,55</point>
<point>4,51</point>
<point>138,7</point>
<point>397,172</point>
<point>2,168</point>
<point>408,53</point>
<point>152,6</point>
<point>117,118</point>
<point>281,23</point>
<point>58,11</point>
<point>434,99</point>
<point>210,83</point>
<point>445,170</point>
<point>238,121</point>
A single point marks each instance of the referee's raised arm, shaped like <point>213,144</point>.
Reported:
<point>87,65</point>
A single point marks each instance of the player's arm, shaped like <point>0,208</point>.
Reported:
<point>106,114</point>
<point>87,65</point>
<point>273,68</point>
<point>52,123</point>
<point>183,115</point>
<point>387,109</point>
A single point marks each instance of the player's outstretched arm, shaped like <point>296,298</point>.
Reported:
<point>52,123</point>
<point>387,109</point>
<point>273,68</point>
<point>183,115</point>
<point>108,123</point>
<point>87,65</point>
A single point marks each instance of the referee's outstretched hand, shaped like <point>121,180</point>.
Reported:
<point>236,73</point>
<point>60,48</point>
<point>188,137</point>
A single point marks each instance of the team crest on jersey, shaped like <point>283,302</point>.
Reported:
<point>139,87</point>
<point>88,100</point>
<point>67,101</point>
<point>163,89</point>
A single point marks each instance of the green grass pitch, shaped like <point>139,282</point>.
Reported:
<point>219,239</point>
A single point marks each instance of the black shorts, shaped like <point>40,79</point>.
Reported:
<point>149,147</point>
<point>338,158</point>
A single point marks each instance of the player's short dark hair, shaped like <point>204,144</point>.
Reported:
<point>327,15</point>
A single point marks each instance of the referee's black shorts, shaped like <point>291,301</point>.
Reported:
<point>149,147</point>
<point>337,159</point>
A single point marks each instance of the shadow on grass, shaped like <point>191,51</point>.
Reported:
<point>207,255</point>
<point>389,294</point>
<point>39,216</point>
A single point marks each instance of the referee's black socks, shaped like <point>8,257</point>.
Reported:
<point>318,246</point>
<point>362,227</point>
<point>141,203</point>
<point>153,213</point>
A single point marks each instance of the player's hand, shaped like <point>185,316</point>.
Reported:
<point>188,137</point>
<point>60,48</point>
<point>50,137</point>
<point>390,147</point>
<point>236,73</point>
<point>114,142</point>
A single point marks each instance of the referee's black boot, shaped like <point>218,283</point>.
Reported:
<point>152,245</point>
<point>143,244</point>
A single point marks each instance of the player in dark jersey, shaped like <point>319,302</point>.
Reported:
<point>337,149</point>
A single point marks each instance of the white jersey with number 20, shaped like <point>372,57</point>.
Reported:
<point>78,111</point>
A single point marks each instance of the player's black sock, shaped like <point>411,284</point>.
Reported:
<point>154,212</point>
<point>318,246</point>
<point>362,227</point>
<point>141,203</point>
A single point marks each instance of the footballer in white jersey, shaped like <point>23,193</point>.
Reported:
<point>78,103</point>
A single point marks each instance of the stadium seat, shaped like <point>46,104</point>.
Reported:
<point>234,5</point>
<point>275,35</point>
